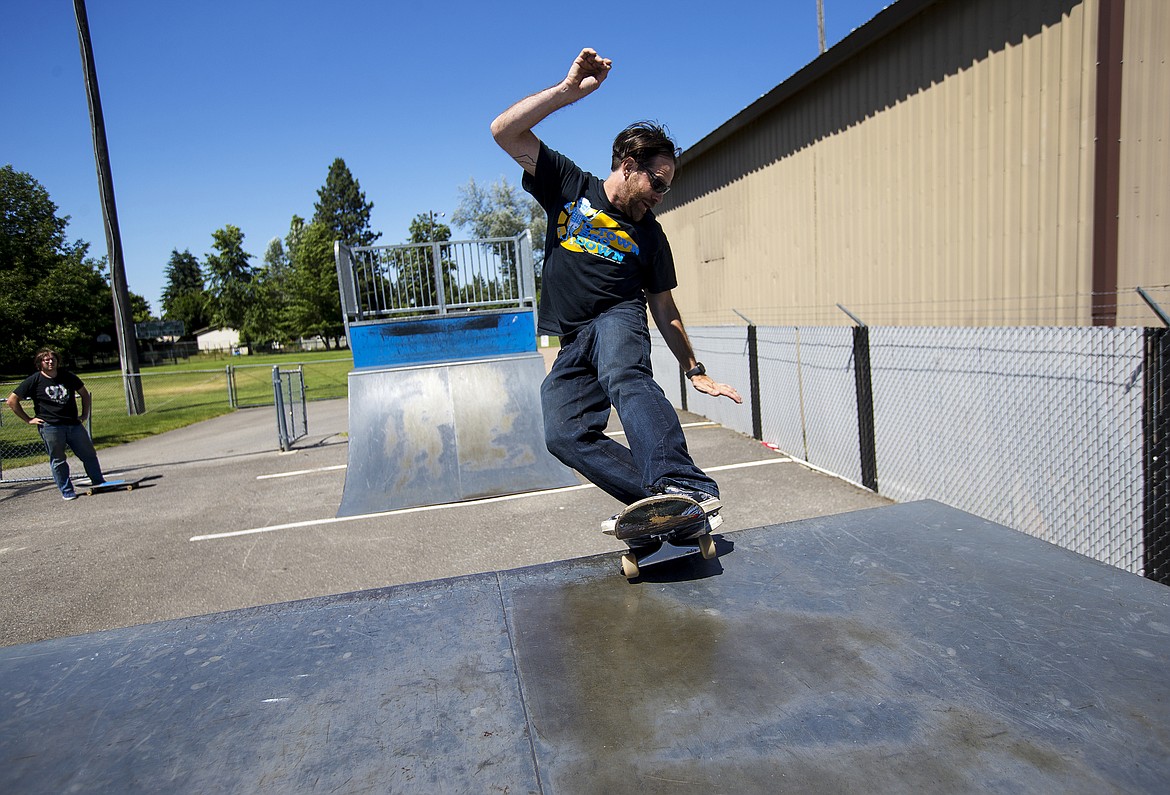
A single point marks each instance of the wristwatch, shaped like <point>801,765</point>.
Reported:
<point>698,369</point>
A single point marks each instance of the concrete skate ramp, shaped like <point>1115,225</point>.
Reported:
<point>904,649</point>
<point>437,433</point>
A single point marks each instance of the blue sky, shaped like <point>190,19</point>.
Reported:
<point>230,112</point>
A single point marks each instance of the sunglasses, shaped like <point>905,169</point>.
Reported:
<point>656,183</point>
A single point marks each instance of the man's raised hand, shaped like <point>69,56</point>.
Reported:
<point>588,71</point>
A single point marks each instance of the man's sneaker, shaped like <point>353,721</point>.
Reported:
<point>68,497</point>
<point>709,503</point>
<point>609,526</point>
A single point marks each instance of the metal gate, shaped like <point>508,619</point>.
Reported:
<point>288,388</point>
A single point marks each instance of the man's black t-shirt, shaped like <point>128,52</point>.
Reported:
<point>595,257</point>
<point>53,398</point>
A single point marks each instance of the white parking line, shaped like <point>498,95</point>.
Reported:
<point>297,472</point>
<point>686,425</point>
<point>300,472</point>
<point>449,505</point>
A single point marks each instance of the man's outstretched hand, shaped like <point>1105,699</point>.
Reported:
<point>707,385</point>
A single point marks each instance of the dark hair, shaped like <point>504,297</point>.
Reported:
<point>643,141</point>
<point>41,352</point>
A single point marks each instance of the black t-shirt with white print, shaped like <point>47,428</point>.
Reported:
<point>54,399</point>
<point>595,257</point>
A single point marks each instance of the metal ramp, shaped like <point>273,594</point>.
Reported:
<point>903,649</point>
<point>444,400</point>
<point>437,433</point>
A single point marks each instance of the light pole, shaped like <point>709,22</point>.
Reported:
<point>821,24</point>
<point>431,231</point>
<point>436,262</point>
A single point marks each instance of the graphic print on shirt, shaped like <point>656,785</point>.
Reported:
<point>57,393</point>
<point>581,227</point>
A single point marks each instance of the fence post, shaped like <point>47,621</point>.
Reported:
<point>865,425</point>
<point>753,378</point>
<point>231,385</point>
<point>278,398</point>
<point>1156,457</point>
<point>863,383</point>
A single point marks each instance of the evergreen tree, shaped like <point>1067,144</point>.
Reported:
<point>270,309</point>
<point>229,281</point>
<point>342,208</point>
<point>314,302</point>
<point>184,297</point>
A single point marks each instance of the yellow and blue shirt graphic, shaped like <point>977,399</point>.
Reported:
<point>581,227</point>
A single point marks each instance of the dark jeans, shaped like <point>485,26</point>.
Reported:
<point>607,363</point>
<point>75,437</point>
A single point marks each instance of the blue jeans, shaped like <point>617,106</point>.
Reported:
<point>75,437</point>
<point>607,364</point>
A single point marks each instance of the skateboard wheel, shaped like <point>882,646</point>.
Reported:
<point>629,566</point>
<point>129,488</point>
<point>707,547</point>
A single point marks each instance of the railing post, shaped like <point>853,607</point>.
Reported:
<point>437,267</point>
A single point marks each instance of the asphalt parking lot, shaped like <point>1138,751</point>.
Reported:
<point>225,521</point>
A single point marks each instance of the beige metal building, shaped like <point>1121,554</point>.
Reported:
<point>952,162</point>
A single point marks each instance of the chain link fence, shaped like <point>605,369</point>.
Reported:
<point>173,399</point>
<point>1059,432</point>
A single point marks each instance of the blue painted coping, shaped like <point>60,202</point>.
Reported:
<point>442,338</point>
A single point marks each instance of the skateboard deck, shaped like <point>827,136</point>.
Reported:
<point>113,485</point>
<point>657,515</point>
<point>664,527</point>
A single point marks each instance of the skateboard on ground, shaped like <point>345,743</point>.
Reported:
<point>664,527</point>
<point>112,485</point>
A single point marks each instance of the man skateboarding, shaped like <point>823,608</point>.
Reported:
<point>606,261</point>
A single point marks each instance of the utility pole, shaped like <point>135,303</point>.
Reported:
<point>123,320</point>
<point>821,24</point>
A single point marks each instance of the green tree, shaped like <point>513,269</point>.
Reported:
<point>342,207</point>
<point>499,210</point>
<point>314,301</point>
<point>269,312</point>
<point>51,291</point>
<point>140,308</point>
<point>184,297</point>
<point>502,210</point>
<point>229,281</point>
<point>416,285</point>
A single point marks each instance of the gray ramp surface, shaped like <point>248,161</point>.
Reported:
<point>908,648</point>
<point>438,433</point>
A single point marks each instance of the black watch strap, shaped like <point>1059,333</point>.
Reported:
<point>698,369</point>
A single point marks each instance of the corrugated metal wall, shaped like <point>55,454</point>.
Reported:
<point>1144,235</point>
<point>942,175</point>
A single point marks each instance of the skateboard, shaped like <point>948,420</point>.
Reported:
<point>664,527</point>
<point>113,485</point>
